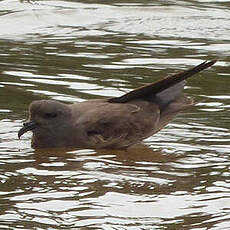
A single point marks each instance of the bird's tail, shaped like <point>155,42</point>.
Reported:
<point>159,86</point>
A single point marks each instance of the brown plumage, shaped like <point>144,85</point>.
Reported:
<point>117,122</point>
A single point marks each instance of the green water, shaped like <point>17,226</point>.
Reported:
<point>73,51</point>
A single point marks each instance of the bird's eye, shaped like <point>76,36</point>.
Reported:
<point>50,115</point>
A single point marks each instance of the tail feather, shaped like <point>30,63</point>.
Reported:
<point>159,86</point>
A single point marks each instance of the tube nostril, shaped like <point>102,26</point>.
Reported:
<point>26,123</point>
<point>27,126</point>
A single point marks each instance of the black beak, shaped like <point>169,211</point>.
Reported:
<point>27,126</point>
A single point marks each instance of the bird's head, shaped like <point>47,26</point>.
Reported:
<point>47,118</point>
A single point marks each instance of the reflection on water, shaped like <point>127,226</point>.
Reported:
<point>72,51</point>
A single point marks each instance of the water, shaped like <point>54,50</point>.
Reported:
<point>74,51</point>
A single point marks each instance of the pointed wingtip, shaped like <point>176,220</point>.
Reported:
<point>205,65</point>
<point>210,63</point>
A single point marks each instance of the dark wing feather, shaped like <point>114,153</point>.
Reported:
<point>159,86</point>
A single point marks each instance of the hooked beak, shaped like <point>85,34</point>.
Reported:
<point>27,126</point>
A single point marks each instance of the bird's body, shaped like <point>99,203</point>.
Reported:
<point>97,124</point>
<point>109,123</point>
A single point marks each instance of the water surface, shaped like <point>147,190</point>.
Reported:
<point>78,50</point>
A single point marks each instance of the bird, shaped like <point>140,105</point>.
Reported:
<point>110,123</point>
